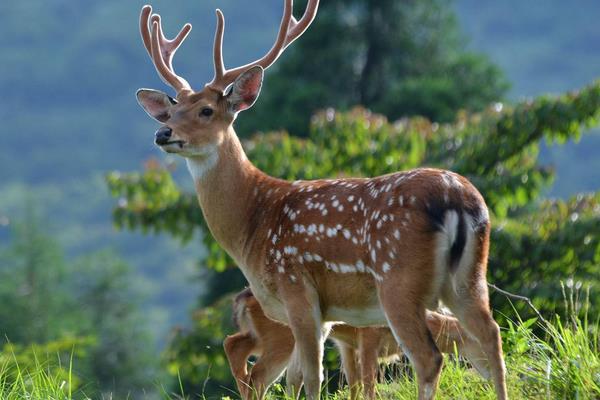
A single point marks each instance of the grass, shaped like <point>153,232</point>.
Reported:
<point>38,382</point>
<point>563,362</point>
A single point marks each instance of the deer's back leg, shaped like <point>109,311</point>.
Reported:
<point>466,294</point>
<point>403,296</point>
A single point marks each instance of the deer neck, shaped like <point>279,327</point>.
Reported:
<point>226,182</point>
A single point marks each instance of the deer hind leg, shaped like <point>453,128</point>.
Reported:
<point>406,318</point>
<point>466,295</point>
<point>473,312</point>
<point>238,348</point>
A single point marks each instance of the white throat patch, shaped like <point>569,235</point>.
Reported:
<point>199,166</point>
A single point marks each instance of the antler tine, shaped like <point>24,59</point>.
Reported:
<point>297,28</point>
<point>218,47</point>
<point>169,47</point>
<point>167,74</point>
<point>144,29</point>
<point>161,49</point>
<point>224,77</point>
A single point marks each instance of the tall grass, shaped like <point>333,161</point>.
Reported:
<point>41,381</point>
<point>560,362</point>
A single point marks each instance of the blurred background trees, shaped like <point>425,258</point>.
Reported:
<point>84,310</point>
<point>374,86</point>
<point>397,58</point>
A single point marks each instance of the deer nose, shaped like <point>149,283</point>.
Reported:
<point>163,135</point>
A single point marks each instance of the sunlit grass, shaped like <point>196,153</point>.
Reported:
<point>37,382</point>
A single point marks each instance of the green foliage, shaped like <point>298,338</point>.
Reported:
<point>122,359</point>
<point>563,361</point>
<point>156,203</point>
<point>36,381</point>
<point>533,252</point>
<point>396,58</point>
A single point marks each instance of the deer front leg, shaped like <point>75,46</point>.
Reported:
<point>238,348</point>
<point>304,317</point>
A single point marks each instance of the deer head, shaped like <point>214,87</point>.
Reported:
<point>195,122</point>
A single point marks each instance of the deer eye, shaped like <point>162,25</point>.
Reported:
<point>206,112</point>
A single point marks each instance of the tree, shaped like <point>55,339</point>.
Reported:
<point>396,58</point>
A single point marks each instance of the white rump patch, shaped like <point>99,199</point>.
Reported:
<point>467,259</point>
<point>443,243</point>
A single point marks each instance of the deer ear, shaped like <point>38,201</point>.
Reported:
<point>155,103</point>
<point>245,90</point>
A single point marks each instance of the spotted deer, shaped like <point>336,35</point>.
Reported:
<point>361,349</point>
<point>363,251</point>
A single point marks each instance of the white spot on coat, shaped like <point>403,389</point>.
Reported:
<point>385,267</point>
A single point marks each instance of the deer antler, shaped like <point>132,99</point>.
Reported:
<point>289,30</point>
<point>161,50</point>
